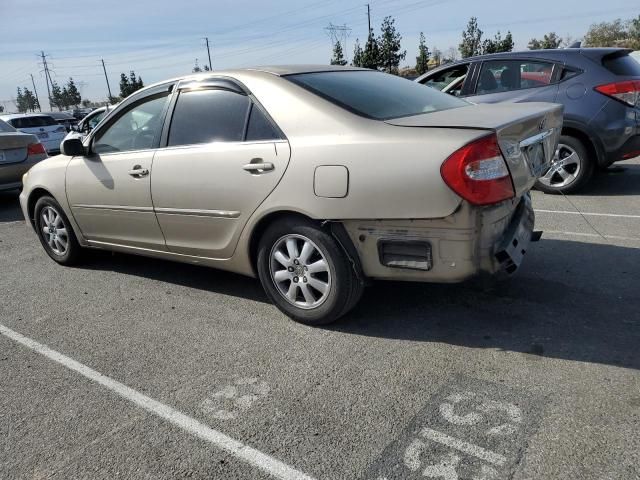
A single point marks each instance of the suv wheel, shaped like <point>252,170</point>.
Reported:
<point>570,169</point>
<point>305,273</point>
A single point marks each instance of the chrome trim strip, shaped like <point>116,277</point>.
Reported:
<point>198,213</point>
<point>536,138</point>
<point>124,208</point>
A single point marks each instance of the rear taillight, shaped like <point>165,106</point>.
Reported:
<point>35,149</point>
<point>478,173</point>
<point>627,91</point>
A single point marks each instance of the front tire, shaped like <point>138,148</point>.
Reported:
<point>305,273</point>
<point>571,168</point>
<point>55,232</point>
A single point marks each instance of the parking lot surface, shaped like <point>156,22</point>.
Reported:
<point>152,366</point>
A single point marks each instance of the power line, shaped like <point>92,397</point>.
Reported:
<point>208,53</point>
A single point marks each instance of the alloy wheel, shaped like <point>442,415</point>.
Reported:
<point>54,230</point>
<point>300,271</point>
<point>565,168</point>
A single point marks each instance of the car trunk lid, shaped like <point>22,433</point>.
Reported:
<point>527,133</point>
<point>13,146</point>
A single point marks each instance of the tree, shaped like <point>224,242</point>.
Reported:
<point>196,68</point>
<point>1,108</point>
<point>450,56</point>
<point>437,57</point>
<point>390,53</point>
<point>130,84</point>
<point>30,100</point>
<point>498,44</point>
<point>338,55</point>
<point>607,34</point>
<point>371,53</point>
<point>634,33</point>
<point>471,44</point>
<point>422,60</point>
<point>73,95</point>
<point>549,41</point>
<point>356,61</point>
<point>21,103</point>
<point>57,97</point>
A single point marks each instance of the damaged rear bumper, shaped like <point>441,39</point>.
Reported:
<point>472,241</point>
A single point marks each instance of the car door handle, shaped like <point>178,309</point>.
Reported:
<point>138,172</point>
<point>258,167</point>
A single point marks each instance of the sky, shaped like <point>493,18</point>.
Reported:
<point>161,39</point>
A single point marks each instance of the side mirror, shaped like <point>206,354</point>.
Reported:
<point>72,147</point>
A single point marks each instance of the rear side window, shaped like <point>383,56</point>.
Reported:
<point>623,65</point>
<point>31,122</point>
<point>5,127</point>
<point>203,116</point>
<point>374,94</point>
<point>507,75</point>
<point>260,128</point>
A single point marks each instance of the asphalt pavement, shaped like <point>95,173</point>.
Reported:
<point>153,369</point>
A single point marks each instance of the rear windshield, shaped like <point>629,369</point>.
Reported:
<point>30,122</point>
<point>5,127</point>
<point>623,65</point>
<point>376,95</point>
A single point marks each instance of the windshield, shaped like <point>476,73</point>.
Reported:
<point>375,94</point>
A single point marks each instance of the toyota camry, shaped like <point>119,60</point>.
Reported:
<point>314,179</point>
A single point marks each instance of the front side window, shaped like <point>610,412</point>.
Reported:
<point>506,75</point>
<point>450,80</point>
<point>374,94</point>
<point>93,121</point>
<point>209,115</point>
<point>137,129</point>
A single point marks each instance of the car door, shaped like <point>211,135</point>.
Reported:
<point>452,80</point>
<point>513,80</point>
<point>109,189</point>
<point>223,157</point>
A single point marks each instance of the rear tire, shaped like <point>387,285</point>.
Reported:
<point>55,232</point>
<point>306,273</point>
<point>571,168</point>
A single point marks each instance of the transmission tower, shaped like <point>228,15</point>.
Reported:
<point>339,33</point>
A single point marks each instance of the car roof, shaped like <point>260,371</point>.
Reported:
<point>23,115</point>
<point>549,53</point>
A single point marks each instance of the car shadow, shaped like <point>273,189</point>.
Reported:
<point>572,300</point>
<point>10,207</point>
<point>618,180</point>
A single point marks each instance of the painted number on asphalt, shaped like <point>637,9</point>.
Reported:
<point>230,401</point>
<point>465,433</point>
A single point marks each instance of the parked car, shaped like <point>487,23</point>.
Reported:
<point>599,88</point>
<point>92,119</point>
<point>18,153</point>
<point>65,119</point>
<point>49,132</point>
<point>314,179</point>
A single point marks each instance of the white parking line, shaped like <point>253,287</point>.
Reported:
<point>464,447</point>
<point>589,214</point>
<point>250,455</point>
<point>591,235</point>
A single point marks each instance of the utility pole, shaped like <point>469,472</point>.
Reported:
<point>369,20</point>
<point>47,77</point>
<point>107,79</point>
<point>208,53</point>
<point>36,92</point>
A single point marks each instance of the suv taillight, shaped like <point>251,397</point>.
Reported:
<point>627,91</point>
<point>35,149</point>
<point>478,173</point>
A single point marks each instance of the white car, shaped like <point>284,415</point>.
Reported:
<point>49,132</point>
